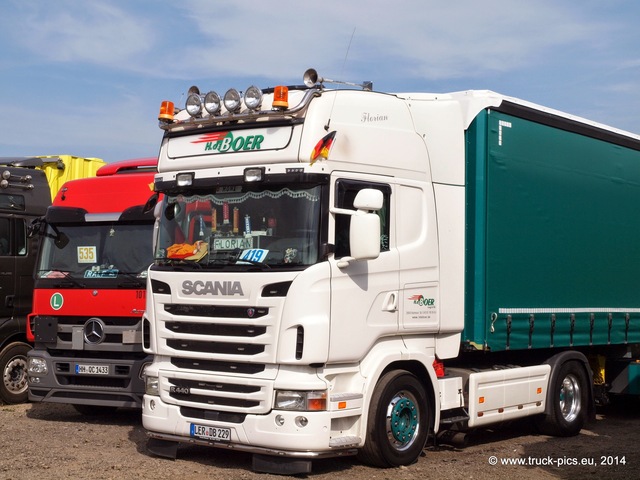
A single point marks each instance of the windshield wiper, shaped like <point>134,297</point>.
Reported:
<point>132,279</point>
<point>66,275</point>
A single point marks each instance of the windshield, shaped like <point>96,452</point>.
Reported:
<point>275,227</point>
<point>96,251</point>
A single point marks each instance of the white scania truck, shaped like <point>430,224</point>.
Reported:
<point>343,272</point>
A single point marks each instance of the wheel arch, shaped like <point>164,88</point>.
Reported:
<point>559,359</point>
<point>425,374</point>
<point>13,330</point>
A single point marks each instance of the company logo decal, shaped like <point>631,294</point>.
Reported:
<point>211,288</point>
<point>93,331</point>
<point>226,142</point>
<point>422,300</point>
<point>56,301</point>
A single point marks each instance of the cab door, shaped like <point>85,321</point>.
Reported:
<point>364,294</point>
<point>7,269</point>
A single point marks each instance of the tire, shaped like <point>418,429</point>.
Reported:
<point>13,368</point>
<point>94,410</point>
<point>399,419</point>
<point>569,402</point>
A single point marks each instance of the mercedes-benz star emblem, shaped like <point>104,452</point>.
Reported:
<point>94,331</point>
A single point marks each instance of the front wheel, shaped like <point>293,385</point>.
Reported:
<point>569,397</point>
<point>398,422</point>
<point>13,366</point>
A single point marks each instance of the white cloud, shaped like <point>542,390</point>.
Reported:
<point>67,31</point>
<point>417,37</point>
<point>130,55</point>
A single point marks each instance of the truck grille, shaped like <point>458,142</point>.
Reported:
<point>216,329</point>
<point>223,357</point>
<point>108,321</point>
<point>215,366</point>
<point>212,393</point>
<point>215,347</point>
<point>115,330</point>
<point>215,311</point>
<point>64,376</point>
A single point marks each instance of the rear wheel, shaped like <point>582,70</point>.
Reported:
<point>570,396</point>
<point>398,422</point>
<point>13,367</point>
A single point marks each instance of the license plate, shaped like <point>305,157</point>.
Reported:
<point>211,433</point>
<point>82,369</point>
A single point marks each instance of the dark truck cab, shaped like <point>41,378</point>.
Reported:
<point>24,196</point>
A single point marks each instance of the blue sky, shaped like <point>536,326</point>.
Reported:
<point>86,78</point>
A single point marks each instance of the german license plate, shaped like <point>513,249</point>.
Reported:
<point>82,369</point>
<point>211,433</point>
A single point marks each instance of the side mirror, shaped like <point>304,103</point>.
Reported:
<point>35,227</point>
<point>61,240</point>
<point>172,211</point>
<point>364,236</point>
<point>368,199</point>
<point>151,203</point>
<point>364,229</point>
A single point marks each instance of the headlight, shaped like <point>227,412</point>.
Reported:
<point>314,400</point>
<point>151,386</point>
<point>37,366</point>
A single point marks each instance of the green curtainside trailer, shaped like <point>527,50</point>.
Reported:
<point>553,233</point>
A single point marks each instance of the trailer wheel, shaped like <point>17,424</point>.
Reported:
<point>570,396</point>
<point>398,421</point>
<point>13,366</point>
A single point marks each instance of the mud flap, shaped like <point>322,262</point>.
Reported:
<point>163,448</point>
<point>280,466</point>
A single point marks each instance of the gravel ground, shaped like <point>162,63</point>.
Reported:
<point>50,441</point>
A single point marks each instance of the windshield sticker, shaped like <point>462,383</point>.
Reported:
<point>101,272</point>
<point>231,243</point>
<point>87,254</point>
<point>253,255</point>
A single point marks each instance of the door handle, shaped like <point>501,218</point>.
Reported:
<point>390,303</point>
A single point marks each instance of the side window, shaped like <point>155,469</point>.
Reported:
<point>21,236</point>
<point>12,244</point>
<point>346,191</point>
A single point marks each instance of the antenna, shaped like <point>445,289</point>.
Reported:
<point>312,78</point>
